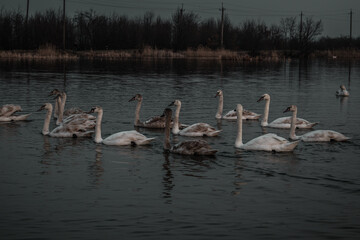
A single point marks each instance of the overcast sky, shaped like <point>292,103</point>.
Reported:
<point>334,13</point>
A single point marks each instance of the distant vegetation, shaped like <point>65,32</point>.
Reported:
<point>185,32</point>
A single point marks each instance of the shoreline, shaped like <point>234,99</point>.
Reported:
<point>50,53</point>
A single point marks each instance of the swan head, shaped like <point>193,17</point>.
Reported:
<point>137,97</point>
<point>291,108</point>
<point>54,92</point>
<point>96,109</point>
<point>46,106</point>
<point>219,93</point>
<point>175,103</point>
<point>342,87</point>
<point>264,97</point>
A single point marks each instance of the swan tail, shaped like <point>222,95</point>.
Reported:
<point>144,141</point>
<point>287,147</point>
<point>213,133</point>
<point>311,125</point>
<point>20,117</point>
<point>206,152</point>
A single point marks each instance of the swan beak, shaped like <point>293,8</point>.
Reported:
<point>260,99</point>
<point>53,92</point>
<point>217,94</point>
<point>41,108</point>
<point>132,99</point>
<point>287,110</point>
<point>171,104</point>
<point>91,111</point>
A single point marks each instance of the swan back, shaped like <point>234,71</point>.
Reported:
<point>9,109</point>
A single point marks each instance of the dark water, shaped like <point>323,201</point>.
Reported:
<point>73,188</point>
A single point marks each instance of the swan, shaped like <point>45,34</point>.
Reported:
<point>76,114</point>
<point>194,130</point>
<point>283,122</point>
<point>78,128</point>
<point>190,147</point>
<point>342,92</point>
<point>153,122</point>
<point>231,115</point>
<point>55,92</point>
<point>267,142</point>
<point>7,113</point>
<point>121,138</point>
<point>61,104</point>
<point>313,136</point>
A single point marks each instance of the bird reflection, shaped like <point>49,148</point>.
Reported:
<point>96,169</point>
<point>219,124</point>
<point>238,181</point>
<point>167,179</point>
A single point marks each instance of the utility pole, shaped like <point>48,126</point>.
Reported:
<point>27,12</point>
<point>182,10</point>
<point>222,25</point>
<point>301,25</point>
<point>63,24</point>
<point>350,27</point>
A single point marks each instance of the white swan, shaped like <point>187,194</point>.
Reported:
<point>283,122</point>
<point>78,128</point>
<point>194,130</point>
<point>267,142</point>
<point>231,115</point>
<point>7,113</point>
<point>342,92</point>
<point>313,136</point>
<point>72,115</point>
<point>192,147</point>
<point>121,138</point>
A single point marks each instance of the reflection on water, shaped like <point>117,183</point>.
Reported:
<point>95,168</point>
<point>139,192</point>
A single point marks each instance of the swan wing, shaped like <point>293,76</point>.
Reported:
<point>270,142</point>
<point>72,111</point>
<point>230,115</point>
<point>323,136</point>
<point>193,147</point>
<point>199,130</point>
<point>285,122</point>
<point>250,115</point>
<point>127,138</point>
<point>155,122</point>
<point>14,118</point>
<point>9,109</point>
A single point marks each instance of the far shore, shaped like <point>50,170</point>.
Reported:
<point>50,53</point>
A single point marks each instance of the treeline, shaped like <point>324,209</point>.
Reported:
<point>90,31</point>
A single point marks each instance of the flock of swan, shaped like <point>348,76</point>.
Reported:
<point>75,122</point>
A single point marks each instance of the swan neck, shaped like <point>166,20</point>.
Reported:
<point>45,130</point>
<point>175,129</point>
<point>293,125</point>
<point>56,110</point>
<point>60,111</point>
<point>98,138</point>
<point>137,113</point>
<point>220,107</point>
<point>239,141</point>
<point>167,145</point>
<point>264,121</point>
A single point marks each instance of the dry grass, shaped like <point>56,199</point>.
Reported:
<point>49,52</point>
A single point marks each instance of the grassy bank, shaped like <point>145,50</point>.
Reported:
<point>50,53</point>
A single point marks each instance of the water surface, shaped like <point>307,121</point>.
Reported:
<point>73,188</point>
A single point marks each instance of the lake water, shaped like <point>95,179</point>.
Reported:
<point>73,188</point>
